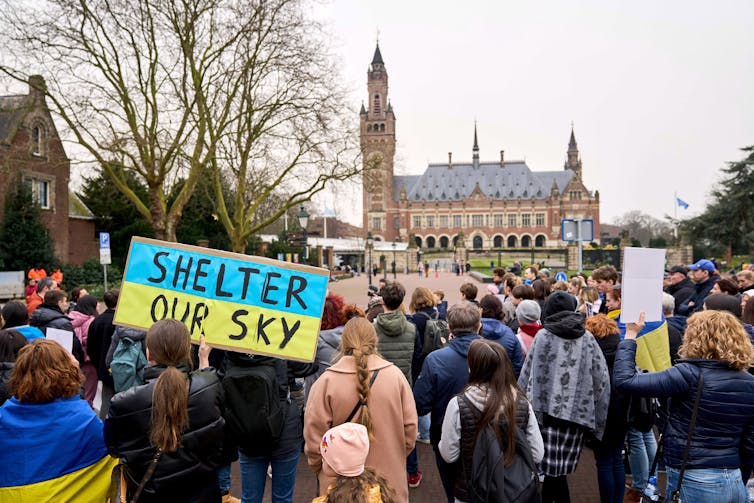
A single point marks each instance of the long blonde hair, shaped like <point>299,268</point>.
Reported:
<point>360,340</point>
<point>717,335</point>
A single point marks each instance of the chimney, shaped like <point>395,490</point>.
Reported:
<point>450,159</point>
<point>37,86</point>
<point>502,157</point>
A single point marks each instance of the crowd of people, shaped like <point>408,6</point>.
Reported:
<point>532,371</point>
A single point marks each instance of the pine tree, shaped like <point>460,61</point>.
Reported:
<point>24,240</point>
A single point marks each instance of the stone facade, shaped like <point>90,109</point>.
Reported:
<point>499,204</point>
<point>30,148</point>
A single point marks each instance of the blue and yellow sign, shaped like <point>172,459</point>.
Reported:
<point>241,303</point>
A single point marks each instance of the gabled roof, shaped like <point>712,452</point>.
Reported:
<point>77,208</point>
<point>513,180</point>
<point>13,109</point>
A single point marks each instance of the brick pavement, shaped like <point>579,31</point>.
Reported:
<point>583,483</point>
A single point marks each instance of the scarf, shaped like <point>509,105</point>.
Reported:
<point>565,376</point>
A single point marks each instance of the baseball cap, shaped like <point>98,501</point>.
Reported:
<point>704,265</point>
<point>678,268</point>
<point>345,447</point>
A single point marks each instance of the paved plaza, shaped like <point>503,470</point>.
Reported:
<point>583,483</point>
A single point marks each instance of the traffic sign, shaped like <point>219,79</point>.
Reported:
<point>104,256</point>
<point>561,276</point>
<point>577,230</point>
<point>104,240</point>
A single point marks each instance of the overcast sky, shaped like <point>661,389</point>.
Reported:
<point>660,93</point>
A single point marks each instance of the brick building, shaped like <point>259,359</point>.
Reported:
<point>500,204</point>
<point>31,148</point>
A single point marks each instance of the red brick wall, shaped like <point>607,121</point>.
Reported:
<point>82,240</point>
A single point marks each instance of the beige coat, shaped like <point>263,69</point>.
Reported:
<point>391,404</point>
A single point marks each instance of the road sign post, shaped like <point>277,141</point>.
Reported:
<point>578,230</point>
<point>105,257</point>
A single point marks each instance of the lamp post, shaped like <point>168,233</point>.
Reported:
<point>370,245</point>
<point>303,221</point>
<point>394,276</point>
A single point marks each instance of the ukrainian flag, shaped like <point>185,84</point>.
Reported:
<point>652,345</point>
<point>53,452</point>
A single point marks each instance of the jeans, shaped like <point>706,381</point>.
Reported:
<point>254,476</point>
<point>611,475</point>
<point>412,462</point>
<point>709,485</point>
<point>642,448</point>
<point>424,426</point>
<point>223,478</point>
<point>447,475</point>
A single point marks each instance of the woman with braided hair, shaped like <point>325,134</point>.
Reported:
<point>361,387</point>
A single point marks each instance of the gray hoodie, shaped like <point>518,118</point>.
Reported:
<point>328,345</point>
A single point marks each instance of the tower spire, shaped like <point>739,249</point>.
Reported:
<point>573,162</point>
<point>377,58</point>
<point>475,150</point>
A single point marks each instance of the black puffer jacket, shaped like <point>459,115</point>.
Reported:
<point>50,316</point>
<point>187,474</point>
<point>617,424</point>
<point>724,434</point>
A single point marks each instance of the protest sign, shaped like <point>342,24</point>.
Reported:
<point>240,302</point>
<point>643,270</point>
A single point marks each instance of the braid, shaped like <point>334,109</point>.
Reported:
<point>362,376</point>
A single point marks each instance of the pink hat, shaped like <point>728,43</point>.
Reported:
<point>345,448</point>
<point>492,289</point>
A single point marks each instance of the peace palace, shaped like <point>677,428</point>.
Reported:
<point>491,205</point>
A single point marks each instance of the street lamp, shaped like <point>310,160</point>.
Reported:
<point>370,245</point>
<point>394,276</point>
<point>303,221</point>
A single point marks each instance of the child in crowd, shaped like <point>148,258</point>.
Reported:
<point>344,448</point>
<point>613,301</point>
<point>589,301</point>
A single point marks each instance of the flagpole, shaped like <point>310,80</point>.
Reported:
<point>675,216</point>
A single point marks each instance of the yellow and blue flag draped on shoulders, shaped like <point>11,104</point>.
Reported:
<point>652,345</point>
<point>53,452</point>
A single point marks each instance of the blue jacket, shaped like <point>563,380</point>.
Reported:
<point>724,433</point>
<point>443,375</point>
<point>497,331</point>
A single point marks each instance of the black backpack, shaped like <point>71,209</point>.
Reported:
<point>436,333</point>
<point>254,413</point>
<point>488,480</point>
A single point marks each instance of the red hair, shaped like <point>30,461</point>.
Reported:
<point>332,314</point>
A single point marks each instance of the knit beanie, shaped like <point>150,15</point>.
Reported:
<point>528,311</point>
<point>557,302</point>
<point>723,302</point>
<point>345,447</point>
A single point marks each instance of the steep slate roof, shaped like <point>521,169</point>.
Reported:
<point>442,183</point>
<point>12,112</point>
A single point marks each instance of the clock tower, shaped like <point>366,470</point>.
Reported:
<point>377,134</point>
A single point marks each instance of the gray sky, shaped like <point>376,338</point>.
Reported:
<point>660,92</point>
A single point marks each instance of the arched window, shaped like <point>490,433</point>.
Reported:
<point>455,240</point>
<point>512,241</point>
<point>376,104</point>
<point>526,242</point>
<point>430,242</point>
<point>369,128</point>
<point>444,242</point>
<point>477,242</point>
<point>382,128</point>
<point>37,139</point>
<point>497,242</point>
<point>540,240</point>
<point>418,241</point>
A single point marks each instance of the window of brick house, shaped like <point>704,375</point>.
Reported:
<point>417,222</point>
<point>443,221</point>
<point>38,136</point>
<point>540,219</point>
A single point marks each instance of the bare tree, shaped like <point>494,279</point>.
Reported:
<point>643,227</point>
<point>178,89</point>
